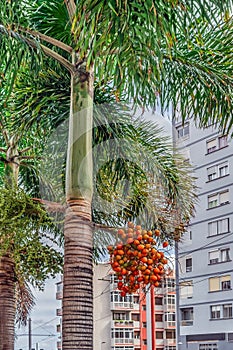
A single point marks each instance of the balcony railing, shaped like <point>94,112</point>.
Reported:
<point>121,305</point>
<point>115,341</point>
<point>170,342</point>
<point>187,323</point>
<point>170,324</point>
<point>122,323</point>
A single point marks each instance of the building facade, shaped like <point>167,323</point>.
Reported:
<point>135,322</point>
<point>205,253</point>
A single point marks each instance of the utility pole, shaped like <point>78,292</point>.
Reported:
<point>177,296</point>
<point>29,334</point>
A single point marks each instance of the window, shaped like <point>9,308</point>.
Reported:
<point>225,255</point>
<point>208,346</point>
<point>169,283</point>
<point>227,311</point>
<point>144,307</point>
<point>217,171</point>
<point>122,333</point>
<point>218,227</point>
<point>212,145</point>
<point>170,347</point>
<point>183,130</point>
<point>116,297</point>
<point>159,335</point>
<point>218,199</point>
<point>144,324</point>
<point>222,141</point>
<point>137,334</point>
<point>187,316</point>
<point>219,256</point>
<point>121,316</point>
<point>215,311</point>
<point>216,143</point>
<point>159,317</point>
<point>170,318</point>
<point>220,311</point>
<point>219,283</point>
<point>186,289</point>
<point>170,334</point>
<point>158,301</point>
<point>170,299</point>
<point>189,264</point>
<point>135,317</point>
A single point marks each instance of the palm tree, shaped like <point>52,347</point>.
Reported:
<point>141,49</point>
<point>26,233</point>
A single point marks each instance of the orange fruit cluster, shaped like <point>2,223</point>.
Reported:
<point>136,260</point>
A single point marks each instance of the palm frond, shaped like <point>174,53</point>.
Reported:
<point>24,301</point>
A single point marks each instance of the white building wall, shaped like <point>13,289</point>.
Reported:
<point>204,327</point>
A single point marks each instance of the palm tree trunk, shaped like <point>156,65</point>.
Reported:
<point>7,303</point>
<point>77,307</point>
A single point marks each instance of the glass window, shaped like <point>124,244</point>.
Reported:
<point>159,335</point>
<point>219,283</point>
<point>212,173</point>
<point>223,226</point>
<point>215,311</point>
<point>158,301</point>
<point>213,228</point>
<point>212,145</point>
<point>218,256</point>
<point>216,171</point>
<point>217,199</point>
<point>189,264</point>
<point>187,316</point>
<point>223,197</point>
<point>136,317</point>
<point>159,317</point>
<point>221,311</point>
<point>222,141</point>
<point>225,255</point>
<point>183,130</point>
<point>227,311</point>
<point>212,201</point>
<point>186,289</point>
<point>170,299</point>
<point>170,316</point>
<point>223,169</point>
<point>214,257</point>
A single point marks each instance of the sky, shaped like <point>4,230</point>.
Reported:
<point>44,320</point>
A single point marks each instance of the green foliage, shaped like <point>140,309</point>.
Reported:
<point>178,51</point>
<point>24,234</point>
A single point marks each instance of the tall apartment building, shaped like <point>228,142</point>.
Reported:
<point>135,322</point>
<point>205,255</point>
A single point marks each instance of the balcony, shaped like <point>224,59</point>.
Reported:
<point>170,307</point>
<point>136,324</point>
<point>59,295</point>
<point>170,324</point>
<point>121,305</point>
<point>59,312</point>
<point>136,342</point>
<point>186,323</point>
<point>169,342</point>
<point>122,323</point>
<point>159,325</point>
<point>120,341</point>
